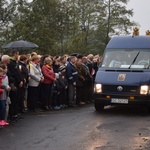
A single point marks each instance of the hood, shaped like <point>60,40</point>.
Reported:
<point>110,77</point>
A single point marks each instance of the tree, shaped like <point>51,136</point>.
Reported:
<point>117,19</point>
<point>65,26</point>
<point>6,11</point>
<point>80,20</point>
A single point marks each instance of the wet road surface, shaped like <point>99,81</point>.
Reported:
<point>81,128</point>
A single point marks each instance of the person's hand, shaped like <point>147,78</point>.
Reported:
<point>24,80</point>
<point>42,79</point>
<point>21,84</point>
<point>74,83</point>
<point>29,78</point>
<point>8,88</point>
<point>13,87</point>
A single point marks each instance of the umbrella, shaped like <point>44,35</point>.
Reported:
<point>74,54</point>
<point>20,45</point>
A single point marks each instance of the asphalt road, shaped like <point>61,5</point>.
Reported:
<point>81,128</point>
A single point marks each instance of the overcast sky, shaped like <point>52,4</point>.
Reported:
<point>141,15</point>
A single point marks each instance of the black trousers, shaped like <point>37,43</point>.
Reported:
<point>88,91</point>
<point>63,96</point>
<point>13,107</point>
<point>46,90</point>
<point>33,97</point>
<point>21,98</point>
<point>79,94</point>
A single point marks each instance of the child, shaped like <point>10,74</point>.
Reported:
<point>6,88</point>
<point>63,86</point>
<point>55,93</point>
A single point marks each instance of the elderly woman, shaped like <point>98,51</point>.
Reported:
<point>49,78</point>
<point>36,77</point>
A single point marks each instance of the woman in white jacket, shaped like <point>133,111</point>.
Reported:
<point>36,77</point>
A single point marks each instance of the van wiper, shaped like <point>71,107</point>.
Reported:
<point>134,60</point>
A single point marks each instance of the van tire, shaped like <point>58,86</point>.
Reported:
<point>98,107</point>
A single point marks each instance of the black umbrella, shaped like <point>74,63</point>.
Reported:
<point>20,45</point>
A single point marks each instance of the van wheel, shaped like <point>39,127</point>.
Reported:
<point>98,107</point>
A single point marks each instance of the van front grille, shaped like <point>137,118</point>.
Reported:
<point>125,89</point>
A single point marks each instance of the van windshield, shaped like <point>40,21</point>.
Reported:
<point>130,58</point>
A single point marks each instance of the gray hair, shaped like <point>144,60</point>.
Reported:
<point>5,58</point>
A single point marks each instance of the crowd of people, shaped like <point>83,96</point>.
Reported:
<point>33,82</point>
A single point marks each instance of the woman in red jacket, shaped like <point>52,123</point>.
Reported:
<point>49,78</point>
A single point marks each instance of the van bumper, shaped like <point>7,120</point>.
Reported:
<point>106,99</point>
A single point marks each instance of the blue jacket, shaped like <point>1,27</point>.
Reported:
<point>72,73</point>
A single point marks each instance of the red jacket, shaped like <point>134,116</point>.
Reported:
<point>1,90</point>
<point>48,74</point>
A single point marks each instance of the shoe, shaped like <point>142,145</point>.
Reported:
<point>6,123</point>
<point>13,119</point>
<point>57,107</point>
<point>70,105</point>
<point>3,123</point>
<point>19,116</point>
<point>46,107</point>
<point>24,111</point>
<point>37,110</point>
<point>66,106</point>
<point>82,103</point>
<point>74,105</point>
<point>51,108</point>
<point>63,106</point>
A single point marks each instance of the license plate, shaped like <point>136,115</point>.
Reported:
<point>119,101</point>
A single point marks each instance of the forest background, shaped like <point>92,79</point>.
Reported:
<point>65,26</point>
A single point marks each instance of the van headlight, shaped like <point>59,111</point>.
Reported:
<point>98,88</point>
<point>144,89</point>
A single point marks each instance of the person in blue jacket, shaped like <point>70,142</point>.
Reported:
<point>72,76</point>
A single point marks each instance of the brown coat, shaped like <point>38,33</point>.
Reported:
<point>81,74</point>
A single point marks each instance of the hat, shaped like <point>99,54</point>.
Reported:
<point>61,68</point>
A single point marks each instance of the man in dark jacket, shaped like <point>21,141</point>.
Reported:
<point>88,84</point>
<point>72,76</point>
<point>24,72</point>
<point>14,74</point>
